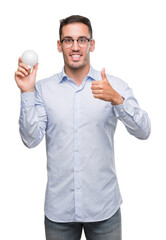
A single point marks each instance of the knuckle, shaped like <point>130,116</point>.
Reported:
<point>19,68</point>
<point>20,64</point>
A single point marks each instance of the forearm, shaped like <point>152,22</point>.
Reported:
<point>135,119</point>
<point>32,120</point>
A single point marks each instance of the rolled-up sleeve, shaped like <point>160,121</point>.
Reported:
<point>33,118</point>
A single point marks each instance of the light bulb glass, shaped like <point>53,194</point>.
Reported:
<point>30,58</point>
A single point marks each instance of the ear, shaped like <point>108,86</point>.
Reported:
<point>59,47</point>
<point>92,45</point>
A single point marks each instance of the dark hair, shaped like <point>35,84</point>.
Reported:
<point>75,19</point>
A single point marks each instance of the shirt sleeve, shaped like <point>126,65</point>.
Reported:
<point>133,117</point>
<point>33,118</point>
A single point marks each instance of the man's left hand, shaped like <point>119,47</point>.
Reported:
<point>104,91</point>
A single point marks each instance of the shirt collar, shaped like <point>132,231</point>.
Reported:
<point>63,75</point>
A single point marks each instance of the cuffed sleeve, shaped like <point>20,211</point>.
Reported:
<point>33,118</point>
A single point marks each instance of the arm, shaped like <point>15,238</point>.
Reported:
<point>134,118</point>
<point>33,118</point>
<point>125,106</point>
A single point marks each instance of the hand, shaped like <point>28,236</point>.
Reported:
<point>25,79</point>
<point>103,90</point>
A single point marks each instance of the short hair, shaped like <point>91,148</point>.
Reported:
<point>75,19</point>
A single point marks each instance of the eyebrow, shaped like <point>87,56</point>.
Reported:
<point>78,37</point>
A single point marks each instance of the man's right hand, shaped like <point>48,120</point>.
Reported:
<point>25,79</point>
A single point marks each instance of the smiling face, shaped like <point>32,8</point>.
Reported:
<point>76,57</point>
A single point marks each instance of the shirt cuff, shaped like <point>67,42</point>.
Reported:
<point>122,109</point>
<point>28,99</point>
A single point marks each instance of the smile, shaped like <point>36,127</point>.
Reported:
<point>75,57</point>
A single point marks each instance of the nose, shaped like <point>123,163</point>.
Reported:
<point>75,45</point>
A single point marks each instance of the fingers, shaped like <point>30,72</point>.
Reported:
<point>17,73</point>
<point>99,96</point>
<point>23,71</point>
<point>96,85</point>
<point>23,65</point>
<point>97,82</point>
<point>97,91</point>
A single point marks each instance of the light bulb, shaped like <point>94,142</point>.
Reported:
<point>30,58</point>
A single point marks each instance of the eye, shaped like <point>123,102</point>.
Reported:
<point>68,40</point>
<point>82,40</point>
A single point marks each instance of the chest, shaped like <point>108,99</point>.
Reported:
<point>67,105</point>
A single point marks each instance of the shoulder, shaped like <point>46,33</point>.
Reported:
<point>48,82</point>
<point>52,79</point>
<point>116,81</point>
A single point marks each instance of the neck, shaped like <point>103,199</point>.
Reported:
<point>77,75</point>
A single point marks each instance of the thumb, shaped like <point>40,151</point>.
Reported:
<point>19,60</point>
<point>103,75</point>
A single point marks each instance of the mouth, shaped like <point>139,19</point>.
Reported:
<point>75,57</point>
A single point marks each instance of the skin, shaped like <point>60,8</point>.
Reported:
<point>76,69</point>
<point>24,78</point>
<point>76,63</point>
<point>104,91</point>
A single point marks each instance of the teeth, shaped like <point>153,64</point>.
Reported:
<point>76,56</point>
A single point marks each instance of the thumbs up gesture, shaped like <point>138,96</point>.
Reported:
<point>102,89</point>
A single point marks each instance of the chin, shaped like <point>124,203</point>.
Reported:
<point>76,65</point>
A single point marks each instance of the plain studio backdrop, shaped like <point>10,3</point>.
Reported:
<point>130,44</point>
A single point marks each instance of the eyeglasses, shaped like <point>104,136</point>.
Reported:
<point>68,42</point>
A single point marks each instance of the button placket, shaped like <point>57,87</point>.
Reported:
<point>77,160</point>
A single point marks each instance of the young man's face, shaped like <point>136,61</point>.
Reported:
<point>76,57</point>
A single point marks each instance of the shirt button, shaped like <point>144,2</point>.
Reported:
<point>77,150</point>
<point>121,110</point>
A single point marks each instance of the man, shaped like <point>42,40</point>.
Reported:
<point>78,110</point>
